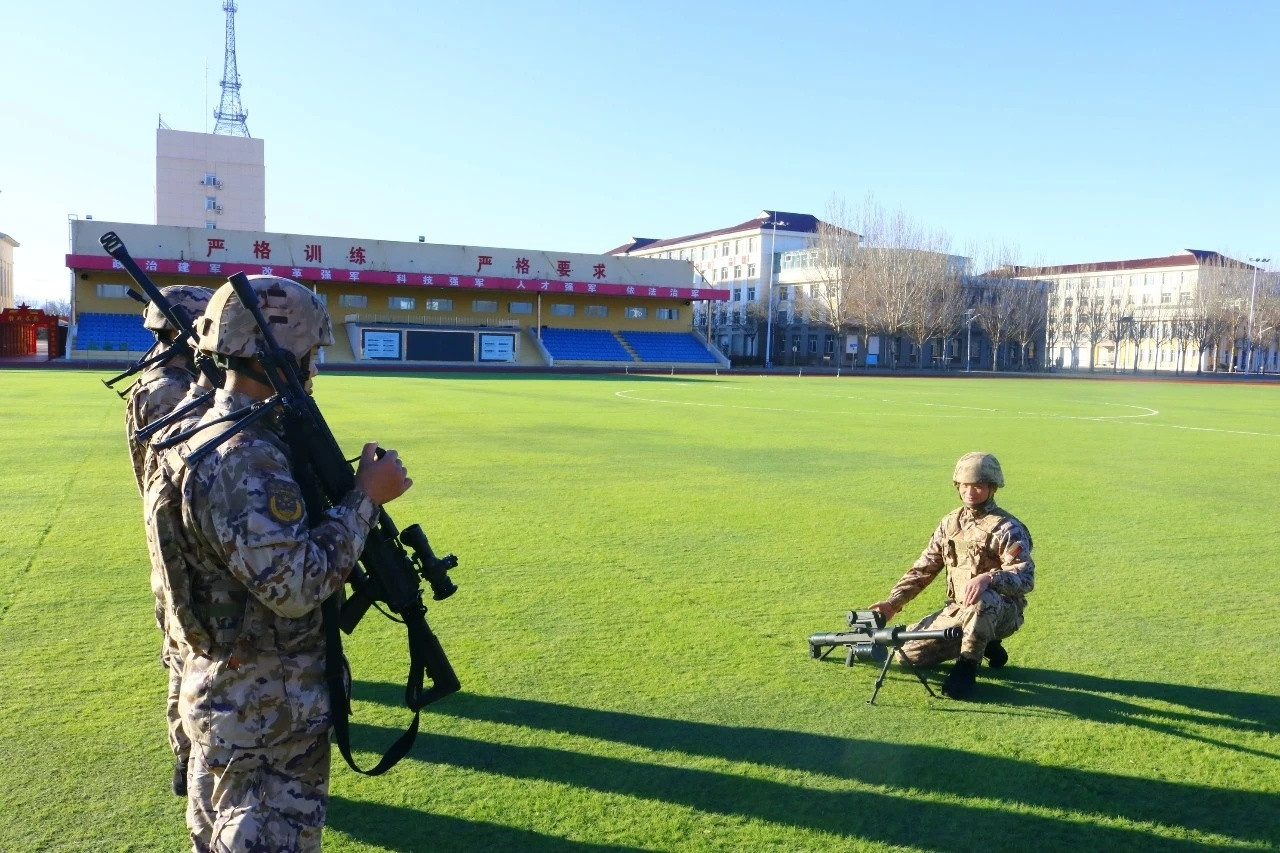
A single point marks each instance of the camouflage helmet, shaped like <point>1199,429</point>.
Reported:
<point>298,319</point>
<point>978,468</point>
<point>192,298</point>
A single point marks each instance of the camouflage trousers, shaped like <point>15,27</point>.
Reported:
<point>171,657</point>
<point>993,617</point>
<point>271,800</point>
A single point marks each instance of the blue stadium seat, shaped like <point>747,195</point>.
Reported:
<point>680,347</point>
<point>583,345</point>
<point>118,332</point>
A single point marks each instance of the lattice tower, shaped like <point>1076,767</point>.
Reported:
<point>229,114</point>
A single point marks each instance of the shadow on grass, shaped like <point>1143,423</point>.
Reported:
<point>892,817</point>
<point>1093,697</point>
<point>400,828</point>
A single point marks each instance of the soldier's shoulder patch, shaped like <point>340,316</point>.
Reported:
<point>284,501</point>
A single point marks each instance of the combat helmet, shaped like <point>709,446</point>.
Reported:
<point>978,467</point>
<point>189,297</point>
<point>298,320</point>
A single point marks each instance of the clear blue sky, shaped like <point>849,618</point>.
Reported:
<point>1072,132</point>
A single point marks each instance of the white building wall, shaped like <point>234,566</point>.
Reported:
<point>205,180</point>
<point>7,245</point>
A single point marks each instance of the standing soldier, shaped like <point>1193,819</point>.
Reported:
<point>161,389</point>
<point>247,593</point>
<point>987,555</point>
<point>162,386</point>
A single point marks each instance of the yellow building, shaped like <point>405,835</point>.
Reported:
<point>411,303</point>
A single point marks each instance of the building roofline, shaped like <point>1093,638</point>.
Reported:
<point>1185,258</point>
<point>787,223</point>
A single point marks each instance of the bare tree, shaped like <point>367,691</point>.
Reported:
<point>897,260</point>
<point>57,307</point>
<point>1029,316</point>
<point>1214,310</point>
<point>938,303</point>
<point>838,304</point>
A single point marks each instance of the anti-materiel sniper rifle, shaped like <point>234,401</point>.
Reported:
<point>869,640</point>
<point>183,343</point>
<point>390,564</point>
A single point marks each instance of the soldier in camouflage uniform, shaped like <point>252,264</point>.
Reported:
<point>161,389</point>
<point>987,556</point>
<point>248,571</point>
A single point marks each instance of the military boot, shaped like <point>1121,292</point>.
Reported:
<point>996,655</point>
<point>180,777</point>
<point>959,683</point>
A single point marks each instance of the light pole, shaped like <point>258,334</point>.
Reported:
<point>969,316</point>
<point>1248,358</point>
<point>768,322</point>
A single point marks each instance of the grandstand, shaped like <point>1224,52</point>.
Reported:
<point>122,332</point>
<point>668,347</point>
<point>628,347</point>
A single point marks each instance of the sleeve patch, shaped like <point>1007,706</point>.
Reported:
<point>284,501</point>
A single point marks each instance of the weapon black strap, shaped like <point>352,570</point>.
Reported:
<point>336,673</point>
<point>340,704</point>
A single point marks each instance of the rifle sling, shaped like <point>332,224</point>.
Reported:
<point>340,706</point>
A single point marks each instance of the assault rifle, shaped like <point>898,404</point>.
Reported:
<point>392,560</point>
<point>183,343</point>
<point>869,640</point>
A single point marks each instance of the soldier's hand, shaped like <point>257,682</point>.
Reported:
<point>974,589</point>
<point>885,608</point>
<point>383,478</point>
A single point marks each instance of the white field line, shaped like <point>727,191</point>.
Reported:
<point>1136,418</point>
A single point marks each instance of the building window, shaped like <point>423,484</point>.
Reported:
<point>113,291</point>
<point>737,272</point>
<point>635,312</point>
<point>1166,297</point>
<point>484,306</point>
<point>401,303</point>
<point>704,253</point>
<point>813,291</point>
<point>353,300</point>
<point>561,309</point>
<point>751,245</point>
<point>210,225</point>
<point>439,305</point>
<point>724,273</point>
<point>813,344</point>
<point>210,203</point>
<point>210,179</point>
<point>323,297</point>
<point>751,294</point>
<point>595,310</point>
<point>737,294</point>
<point>668,313</point>
<point>751,270</point>
<point>724,249</point>
<point>519,307</point>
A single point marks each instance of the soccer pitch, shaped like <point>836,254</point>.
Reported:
<point>641,561</point>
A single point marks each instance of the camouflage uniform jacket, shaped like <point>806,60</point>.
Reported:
<point>156,393</point>
<point>971,542</point>
<point>159,486</point>
<point>258,571</point>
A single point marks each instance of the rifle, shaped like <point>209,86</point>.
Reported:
<point>869,640</point>
<point>391,563</point>
<point>183,342</point>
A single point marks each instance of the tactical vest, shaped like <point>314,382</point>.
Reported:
<point>211,611</point>
<point>968,550</point>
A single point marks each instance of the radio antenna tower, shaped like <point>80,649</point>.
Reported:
<point>229,114</point>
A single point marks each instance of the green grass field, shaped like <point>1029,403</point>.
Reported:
<point>642,559</point>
